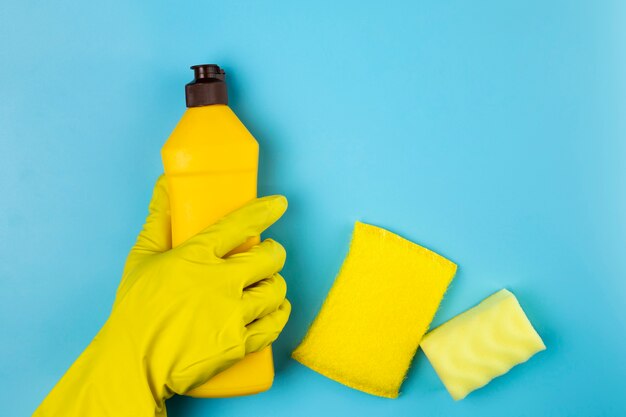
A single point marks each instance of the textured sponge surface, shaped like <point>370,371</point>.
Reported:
<point>482,343</point>
<point>377,311</point>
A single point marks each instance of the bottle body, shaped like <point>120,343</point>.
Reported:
<point>211,164</point>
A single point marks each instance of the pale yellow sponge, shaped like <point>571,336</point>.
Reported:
<point>376,313</point>
<point>482,343</point>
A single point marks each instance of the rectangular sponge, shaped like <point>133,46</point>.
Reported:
<point>482,343</point>
<point>376,313</point>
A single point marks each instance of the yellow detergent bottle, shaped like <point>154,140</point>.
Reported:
<point>211,162</point>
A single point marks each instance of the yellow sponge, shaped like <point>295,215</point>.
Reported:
<point>376,313</point>
<point>482,343</point>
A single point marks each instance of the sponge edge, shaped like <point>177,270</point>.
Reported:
<point>482,343</point>
<point>380,306</point>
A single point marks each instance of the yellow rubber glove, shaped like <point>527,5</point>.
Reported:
<point>180,315</point>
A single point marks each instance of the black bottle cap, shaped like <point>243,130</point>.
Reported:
<point>208,86</point>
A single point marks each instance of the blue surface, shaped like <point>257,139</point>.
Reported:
<point>491,132</point>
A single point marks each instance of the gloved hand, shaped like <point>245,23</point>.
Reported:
<point>180,315</point>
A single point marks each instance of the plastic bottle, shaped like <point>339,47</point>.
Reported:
<point>211,165</point>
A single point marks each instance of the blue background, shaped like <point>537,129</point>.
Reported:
<point>491,132</point>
